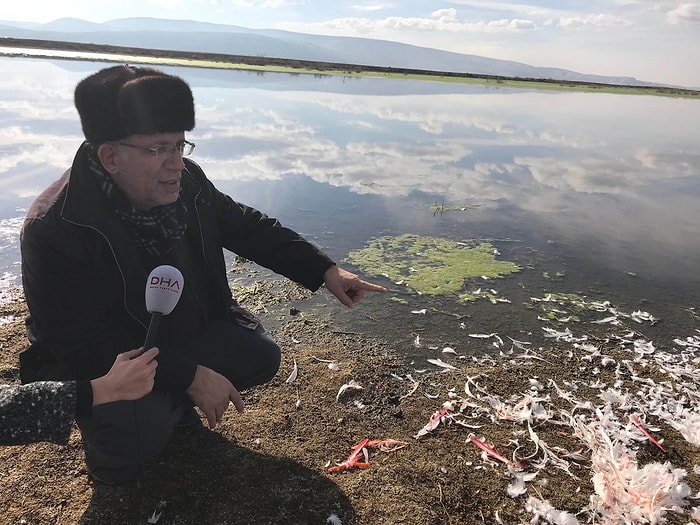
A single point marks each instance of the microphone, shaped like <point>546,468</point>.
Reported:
<point>163,290</point>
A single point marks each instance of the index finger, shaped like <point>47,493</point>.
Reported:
<point>130,354</point>
<point>371,287</point>
<point>237,401</point>
<point>210,415</point>
<point>149,354</point>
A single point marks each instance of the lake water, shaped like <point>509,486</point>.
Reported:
<point>601,191</point>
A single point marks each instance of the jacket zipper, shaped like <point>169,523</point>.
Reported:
<point>121,272</point>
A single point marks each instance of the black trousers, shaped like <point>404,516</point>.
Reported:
<point>119,436</point>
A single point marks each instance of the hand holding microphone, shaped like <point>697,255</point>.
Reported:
<point>163,291</point>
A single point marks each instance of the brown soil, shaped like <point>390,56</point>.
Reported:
<point>269,465</point>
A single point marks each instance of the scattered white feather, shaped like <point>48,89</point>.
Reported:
<point>623,491</point>
<point>441,363</point>
<point>333,519</point>
<point>607,361</point>
<point>155,517</point>
<point>535,384</point>
<point>517,486</point>
<point>351,385</point>
<point>644,347</point>
<point>640,317</point>
<point>293,376</point>
<point>545,510</point>
<point>612,320</point>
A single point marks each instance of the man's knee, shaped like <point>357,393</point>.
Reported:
<point>247,357</point>
<point>260,363</point>
<point>270,359</point>
<point>122,435</point>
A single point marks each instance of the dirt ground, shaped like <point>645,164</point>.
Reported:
<point>270,464</point>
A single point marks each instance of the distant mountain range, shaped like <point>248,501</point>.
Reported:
<point>191,36</point>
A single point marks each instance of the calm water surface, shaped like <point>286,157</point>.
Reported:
<point>604,189</point>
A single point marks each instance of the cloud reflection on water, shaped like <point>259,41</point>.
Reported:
<point>622,169</point>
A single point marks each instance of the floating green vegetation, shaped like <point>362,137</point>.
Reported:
<point>439,208</point>
<point>490,295</point>
<point>561,307</point>
<point>429,265</point>
<point>558,276</point>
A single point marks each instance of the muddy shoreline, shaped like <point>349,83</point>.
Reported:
<point>270,464</point>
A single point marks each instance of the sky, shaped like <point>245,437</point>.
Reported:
<point>657,41</point>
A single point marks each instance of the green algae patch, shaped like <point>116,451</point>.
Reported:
<point>439,208</point>
<point>490,295</point>
<point>429,265</point>
<point>562,307</point>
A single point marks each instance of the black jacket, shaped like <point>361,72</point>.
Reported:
<point>84,279</point>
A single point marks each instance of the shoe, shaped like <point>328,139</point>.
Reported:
<point>106,475</point>
<point>109,476</point>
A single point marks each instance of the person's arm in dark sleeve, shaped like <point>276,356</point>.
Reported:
<point>41,411</point>
<point>83,399</point>
<point>44,410</point>
<point>175,371</point>
<point>252,234</point>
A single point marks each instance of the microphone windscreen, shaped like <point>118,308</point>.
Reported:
<point>163,289</point>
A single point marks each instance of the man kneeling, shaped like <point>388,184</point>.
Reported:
<point>132,201</point>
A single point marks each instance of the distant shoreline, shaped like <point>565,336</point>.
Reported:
<point>271,64</point>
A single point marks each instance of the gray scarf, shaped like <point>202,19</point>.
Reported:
<point>156,231</point>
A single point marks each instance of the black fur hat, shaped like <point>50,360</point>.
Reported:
<point>123,100</point>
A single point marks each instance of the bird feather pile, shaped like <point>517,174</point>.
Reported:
<point>608,431</point>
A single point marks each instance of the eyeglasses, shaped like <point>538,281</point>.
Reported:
<point>164,150</point>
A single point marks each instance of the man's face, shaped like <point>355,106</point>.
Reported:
<point>146,179</point>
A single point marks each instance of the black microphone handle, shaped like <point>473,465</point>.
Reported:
<point>152,331</point>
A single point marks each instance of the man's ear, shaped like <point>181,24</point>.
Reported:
<point>107,154</point>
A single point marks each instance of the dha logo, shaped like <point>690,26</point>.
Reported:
<point>163,289</point>
<point>169,283</point>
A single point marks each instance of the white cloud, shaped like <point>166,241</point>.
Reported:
<point>266,4</point>
<point>522,9</point>
<point>597,21</point>
<point>442,20</point>
<point>30,158</point>
<point>685,12</point>
<point>369,7</point>
<point>445,15</point>
<point>352,24</point>
<point>168,4</point>
<point>511,25</point>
